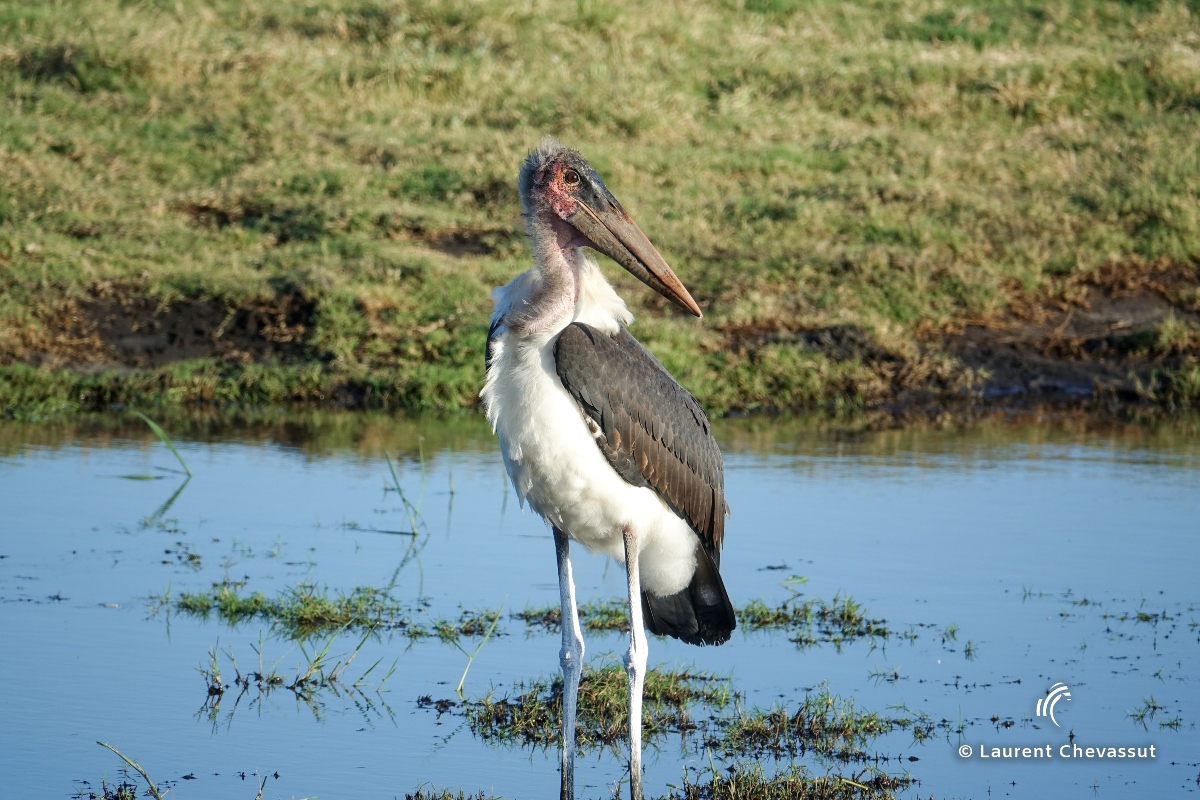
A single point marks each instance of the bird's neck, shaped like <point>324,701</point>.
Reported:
<point>557,290</point>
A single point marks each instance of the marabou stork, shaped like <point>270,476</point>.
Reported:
<point>597,436</point>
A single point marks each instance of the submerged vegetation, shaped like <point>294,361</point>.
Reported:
<point>277,203</point>
<point>321,673</point>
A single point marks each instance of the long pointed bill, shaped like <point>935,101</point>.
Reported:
<point>610,230</point>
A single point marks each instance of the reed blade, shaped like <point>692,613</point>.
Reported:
<point>161,434</point>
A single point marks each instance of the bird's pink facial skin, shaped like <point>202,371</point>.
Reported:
<point>562,201</point>
<point>558,194</point>
<point>613,232</point>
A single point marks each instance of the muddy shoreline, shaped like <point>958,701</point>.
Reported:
<point>1123,341</point>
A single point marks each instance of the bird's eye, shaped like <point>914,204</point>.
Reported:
<point>571,178</point>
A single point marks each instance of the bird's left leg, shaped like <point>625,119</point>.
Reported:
<point>635,663</point>
<point>571,659</point>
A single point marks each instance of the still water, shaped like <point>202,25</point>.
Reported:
<point>1015,556</point>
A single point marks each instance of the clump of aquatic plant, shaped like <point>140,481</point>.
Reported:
<point>923,726</point>
<point>885,675</point>
<point>749,781</point>
<point>301,610</point>
<point>533,716</point>
<point>814,621</point>
<point>319,673</point>
<point>688,703</point>
<point>1146,712</point>
<point>470,624</point>
<point>152,789</point>
<point>431,793</point>
<point>595,615</point>
<point>125,790</point>
<point>307,608</point>
<point>823,723</point>
<point>184,556</point>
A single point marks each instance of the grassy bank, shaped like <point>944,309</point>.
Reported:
<point>262,203</point>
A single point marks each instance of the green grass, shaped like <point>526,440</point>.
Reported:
<point>162,437</point>
<point>124,790</point>
<point>708,716</point>
<point>307,609</point>
<point>751,782</point>
<point>824,723</point>
<point>682,701</point>
<point>304,610</point>
<point>810,622</point>
<point>814,621</point>
<point>320,675</point>
<point>151,789</point>
<point>594,615</point>
<point>533,716</point>
<point>894,169</point>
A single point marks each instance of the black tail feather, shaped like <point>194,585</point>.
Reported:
<point>699,614</point>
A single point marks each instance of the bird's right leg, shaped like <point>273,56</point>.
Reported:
<point>571,658</point>
<point>635,662</point>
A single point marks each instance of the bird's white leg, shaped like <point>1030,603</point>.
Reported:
<point>635,663</point>
<point>571,659</point>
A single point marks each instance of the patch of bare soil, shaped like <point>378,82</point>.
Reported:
<point>458,241</point>
<point>838,342</point>
<point>116,329</point>
<point>467,241</point>
<point>1098,336</point>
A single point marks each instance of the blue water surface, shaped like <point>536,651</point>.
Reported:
<point>1015,555</point>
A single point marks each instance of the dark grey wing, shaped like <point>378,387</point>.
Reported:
<point>651,430</point>
<point>494,333</point>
